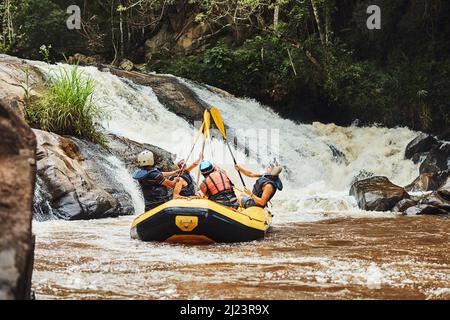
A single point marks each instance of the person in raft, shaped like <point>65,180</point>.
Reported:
<point>265,187</point>
<point>186,185</point>
<point>217,186</point>
<point>153,181</point>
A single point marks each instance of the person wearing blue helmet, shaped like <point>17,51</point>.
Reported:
<point>217,186</point>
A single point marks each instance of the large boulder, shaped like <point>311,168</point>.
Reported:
<point>126,65</point>
<point>438,159</point>
<point>377,194</point>
<point>429,181</point>
<point>419,146</point>
<point>77,180</point>
<point>404,205</point>
<point>175,96</point>
<point>423,209</point>
<point>19,82</point>
<point>81,180</point>
<point>127,150</point>
<point>438,200</point>
<point>17,180</point>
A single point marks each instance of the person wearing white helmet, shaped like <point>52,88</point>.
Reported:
<point>265,187</point>
<point>152,180</point>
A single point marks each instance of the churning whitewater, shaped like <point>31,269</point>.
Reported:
<point>320,160</point>
<point>322,244</point>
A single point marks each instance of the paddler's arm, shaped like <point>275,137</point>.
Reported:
<point>247,173</point>
<point>203,189</point>
<point>193,166</point>
<point>170,173</point>
<point>170,184</point>
<point>179,185</point>
<point>268,190</point>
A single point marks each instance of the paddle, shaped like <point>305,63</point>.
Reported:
<point>215,113</point>
<point>205,128</point>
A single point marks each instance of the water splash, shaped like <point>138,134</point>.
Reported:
<point>316,181</point>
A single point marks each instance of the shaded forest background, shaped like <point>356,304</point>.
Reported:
<point>310,60</point>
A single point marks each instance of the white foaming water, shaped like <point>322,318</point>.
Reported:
<point>130,185</point>
<point>316,184</point>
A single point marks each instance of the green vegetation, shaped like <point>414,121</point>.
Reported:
<point>311,60</point>
<point>67,108</point>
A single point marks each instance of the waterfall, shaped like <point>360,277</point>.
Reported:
<point>320,161</point>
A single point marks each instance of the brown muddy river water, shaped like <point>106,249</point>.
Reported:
<point>343,258</point>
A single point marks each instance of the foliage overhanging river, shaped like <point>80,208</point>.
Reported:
<point>321,245</point>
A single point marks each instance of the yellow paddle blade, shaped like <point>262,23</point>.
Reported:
<point>218,121</point>
<point>200,131</point>
<point>207,122</point>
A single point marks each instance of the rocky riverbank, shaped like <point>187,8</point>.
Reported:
<point>17,181</point>
<point>380,194</point>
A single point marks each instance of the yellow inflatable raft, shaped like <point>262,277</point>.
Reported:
<point>200,221</point>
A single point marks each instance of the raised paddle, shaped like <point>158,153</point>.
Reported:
<point>215,113</point>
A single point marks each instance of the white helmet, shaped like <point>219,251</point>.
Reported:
<point>145,158</point>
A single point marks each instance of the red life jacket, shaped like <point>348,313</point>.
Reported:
<point>218,182</point>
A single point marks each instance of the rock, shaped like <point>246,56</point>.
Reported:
<point>438,159</point>
<point>17,180</point>
<point>428,181</point>
<point>377,194</point>
<point>77,180</point>
<point>338,155</point>
<point>127,150</point>
<point>420,145</point>
<point>81,180</point>
<point>162,41</point>
<point>436,199</point>
<point>362,175</point>
<point>175,96</point>
<point>83,60</point>
<point>404,204</point>
<point>126,65</point>
<point>444,191</point>
<point>424,210</point>
<point>13,77</point>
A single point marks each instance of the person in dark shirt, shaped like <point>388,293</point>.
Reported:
<point>152,181</point>
<point>265,187</point>
<point>186,186</point>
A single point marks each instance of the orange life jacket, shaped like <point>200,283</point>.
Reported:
<point>218,182</point>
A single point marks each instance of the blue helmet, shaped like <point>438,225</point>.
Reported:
<point>206,167</point>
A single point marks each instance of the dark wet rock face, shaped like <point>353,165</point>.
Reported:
<point>175,96</point>
<point>338,155</point>
<point>17,180</point>
<point>79,180</point>
<point>438,159</point>
<point>127,150</point>
<point>429,181</point>
<point>419,146</point>
<point>377,194</point>
<point>75,182</point>
<point>424,209</point>
<point>404,204</point>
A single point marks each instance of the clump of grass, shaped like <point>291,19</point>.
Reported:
<point>68,108</point>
